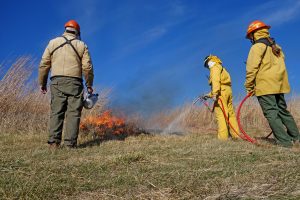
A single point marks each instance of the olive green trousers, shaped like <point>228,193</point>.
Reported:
<point>66,107</point>
<point>280,120</point>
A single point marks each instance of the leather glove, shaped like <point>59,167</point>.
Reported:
<point>214,98</point>
<point>43,89</point>
<point>205,97</point>
<point>90,90</point>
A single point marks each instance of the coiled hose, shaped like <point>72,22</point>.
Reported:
<point>244,135</point>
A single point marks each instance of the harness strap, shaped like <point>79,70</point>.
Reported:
<point>67,42</point>
<point>271,43</point>
<point>267,41</point>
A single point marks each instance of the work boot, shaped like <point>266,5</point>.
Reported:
<point>74,146</point>
<point>296,144</point>
<point>54,146</point>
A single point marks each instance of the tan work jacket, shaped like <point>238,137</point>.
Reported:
<point>269,77</point>
<point>65,62</point>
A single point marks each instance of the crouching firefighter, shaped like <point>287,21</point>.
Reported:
<point>68,59</point>
<point>221,93</point>
<point>267,78</point>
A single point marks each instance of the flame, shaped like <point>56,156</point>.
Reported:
<point>104,123</point>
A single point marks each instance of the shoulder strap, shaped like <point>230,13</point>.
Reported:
<point>265,41</point>
<point>263,56</point>
<point>271,43</point>
<point>67,42</point>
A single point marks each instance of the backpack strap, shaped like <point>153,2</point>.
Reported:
<point>266,41</point>
<point>270,42</point>
<point>67,42</point>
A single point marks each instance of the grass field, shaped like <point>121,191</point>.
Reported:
<point>194,166</point>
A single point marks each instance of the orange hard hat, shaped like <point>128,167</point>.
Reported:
<point>73,24</point>
<point>255,25</point>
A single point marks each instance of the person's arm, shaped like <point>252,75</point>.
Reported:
<point>44,69</point>
<point>253,64</point>
<point>215,76</point>
<point>87,69</point>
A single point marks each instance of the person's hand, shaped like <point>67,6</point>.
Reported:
<point>250,93</point>
<point>90,90</point>
<point>43,89</point>
<point>205,97</point>
<point>214,98</point>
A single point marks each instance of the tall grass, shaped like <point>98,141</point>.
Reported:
<point>195,166</point>
<point>200,119</point>
<point>23,108</point>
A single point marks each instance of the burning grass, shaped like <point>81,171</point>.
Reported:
<point>107,126</point>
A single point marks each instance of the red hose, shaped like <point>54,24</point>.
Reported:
<point>227,119</point>
<point>206,104</point>
<point>247,137</point>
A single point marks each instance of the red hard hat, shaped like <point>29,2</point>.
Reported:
<point>255,25</point>
<point>73,24</point>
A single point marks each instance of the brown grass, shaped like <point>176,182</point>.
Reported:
<point>23,108</point>
<point>199,119</point>
<point>193,166</point>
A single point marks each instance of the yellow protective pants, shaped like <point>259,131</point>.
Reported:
<point>224,128</point>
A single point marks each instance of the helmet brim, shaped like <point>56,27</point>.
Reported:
<point>248,34</point>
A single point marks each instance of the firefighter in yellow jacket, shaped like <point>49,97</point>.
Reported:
<point>68,59</point>
<point>221,93</point>
<point>267,78</point>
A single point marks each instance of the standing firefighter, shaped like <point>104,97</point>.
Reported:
<point>221,93</point>
<point>267,78</point>
<point>68,58</point>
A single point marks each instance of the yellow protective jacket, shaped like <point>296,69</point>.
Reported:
<point>65,62</point>
<point>269,77</point>
<point>219,80</point>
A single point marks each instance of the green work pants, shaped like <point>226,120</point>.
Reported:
<point>66,107</point>
<point>280,120</point>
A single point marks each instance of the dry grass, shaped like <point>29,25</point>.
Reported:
<point>197,118</point>
<point>23,108</point>
<point>193,166</point>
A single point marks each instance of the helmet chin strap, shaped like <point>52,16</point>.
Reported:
<point>252,38</point>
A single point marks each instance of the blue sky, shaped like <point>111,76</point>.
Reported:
<point>150,52</point>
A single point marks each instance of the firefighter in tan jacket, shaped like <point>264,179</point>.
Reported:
<point>68,59</point>
<point>221,93</point>
<point>267,78</point>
